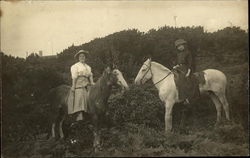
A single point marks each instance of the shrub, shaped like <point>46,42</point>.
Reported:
<point>137,106</point>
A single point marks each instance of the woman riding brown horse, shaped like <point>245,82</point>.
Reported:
<point>98,95</point>
<point>82,78</point>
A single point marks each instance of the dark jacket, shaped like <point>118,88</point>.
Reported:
<point>184,59</point>
<point>188,87</point>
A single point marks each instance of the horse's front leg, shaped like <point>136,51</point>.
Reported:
<point>97,137</point>
<point>59,121</point>
<point>60,127</point>
<point>53,130</point>
<point>97,141</point>
<point>168,115</point>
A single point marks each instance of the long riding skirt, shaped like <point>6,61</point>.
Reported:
<point>187,86</point>
<point>77,101</point>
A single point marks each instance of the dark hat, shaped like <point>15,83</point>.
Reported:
<point>80,52</point>
<point>179,42</point>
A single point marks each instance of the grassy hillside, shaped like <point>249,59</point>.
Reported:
<point>135,122</point>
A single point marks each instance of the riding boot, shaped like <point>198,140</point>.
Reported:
<point>79,117</point>
<point>186,101</point>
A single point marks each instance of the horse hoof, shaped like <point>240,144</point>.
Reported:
<point>228,122</point>
<point>61,139</point>
<point>98,148</point>
<point>169,133</point>
<point>217,124</point>
<point>52,139</point>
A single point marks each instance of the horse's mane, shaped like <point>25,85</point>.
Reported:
<point>100,82</point>
<point>160,66</point>
<point>99,94</point>
<point>100,89</point>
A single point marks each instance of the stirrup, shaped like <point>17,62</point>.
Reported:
<point>73,124</point>
<point>186,101</point>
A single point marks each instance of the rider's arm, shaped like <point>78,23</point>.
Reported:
<point>189,60</point>
<point>189,63</point>
<point>73,84</point>
<point>73,70</point>
<point>178,60</point>
<point>175,66</point>
<point>91,77</point>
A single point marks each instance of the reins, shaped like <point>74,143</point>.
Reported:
<point>149,69</point>
<point>163,78</point>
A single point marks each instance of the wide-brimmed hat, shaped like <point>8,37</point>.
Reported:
<point>80,52</point>
<point>179,42</point>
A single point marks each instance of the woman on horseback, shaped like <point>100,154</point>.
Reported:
<point>185,81</point>
<point>82,77</point>
<point>184,57</point>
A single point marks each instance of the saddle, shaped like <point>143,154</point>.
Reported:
<point>188,87</point>
<point>200,77</point>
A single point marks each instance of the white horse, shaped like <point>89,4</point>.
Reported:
<point>163,80</point>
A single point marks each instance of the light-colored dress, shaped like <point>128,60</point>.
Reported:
<point>77,101</point>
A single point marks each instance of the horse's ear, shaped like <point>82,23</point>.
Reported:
<point>114,66</point>
<point>108,70</point>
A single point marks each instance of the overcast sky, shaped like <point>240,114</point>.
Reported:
<point>30,26</point>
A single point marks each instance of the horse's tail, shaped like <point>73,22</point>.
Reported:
<point>216,80</point>
<point>50,99</point>
<point>224,81</point>
<point>47,97</point>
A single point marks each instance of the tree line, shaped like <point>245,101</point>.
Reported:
<point>25,82</point>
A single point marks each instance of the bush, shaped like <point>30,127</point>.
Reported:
<point>139,106</point>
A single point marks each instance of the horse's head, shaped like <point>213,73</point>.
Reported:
<point>115,77</point>
<point>145,73</point>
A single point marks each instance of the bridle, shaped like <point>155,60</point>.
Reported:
<point>149,69</point>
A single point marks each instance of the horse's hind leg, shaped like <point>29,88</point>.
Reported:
<point>60,128</point>
<point>60,119</point>
<point>96,132</point>
<point>52,133</point>
<point>57,121</point>
<point>53,130</point>
<point>225,104</point>
<point>218,106</point>
<point>168,115</point>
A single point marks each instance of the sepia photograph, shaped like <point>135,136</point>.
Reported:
<point>124,78</point>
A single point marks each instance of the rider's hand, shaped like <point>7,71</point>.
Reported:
<point>175,66</point>
<point>188,73</point>
<point>91,84</point>
<point>73,89</point>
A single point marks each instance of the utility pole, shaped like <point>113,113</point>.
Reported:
<point>230,23</point>
<point>175,20</point>
<point>52,51</point>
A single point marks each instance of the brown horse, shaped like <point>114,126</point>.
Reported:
<point>98,95</point>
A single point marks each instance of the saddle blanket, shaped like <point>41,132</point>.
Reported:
<point>200,77</point>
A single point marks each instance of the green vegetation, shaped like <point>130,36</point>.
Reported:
<point>135,122</point>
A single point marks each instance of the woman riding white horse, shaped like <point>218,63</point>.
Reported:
<point>186,83</point>
<point>163,79</point>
